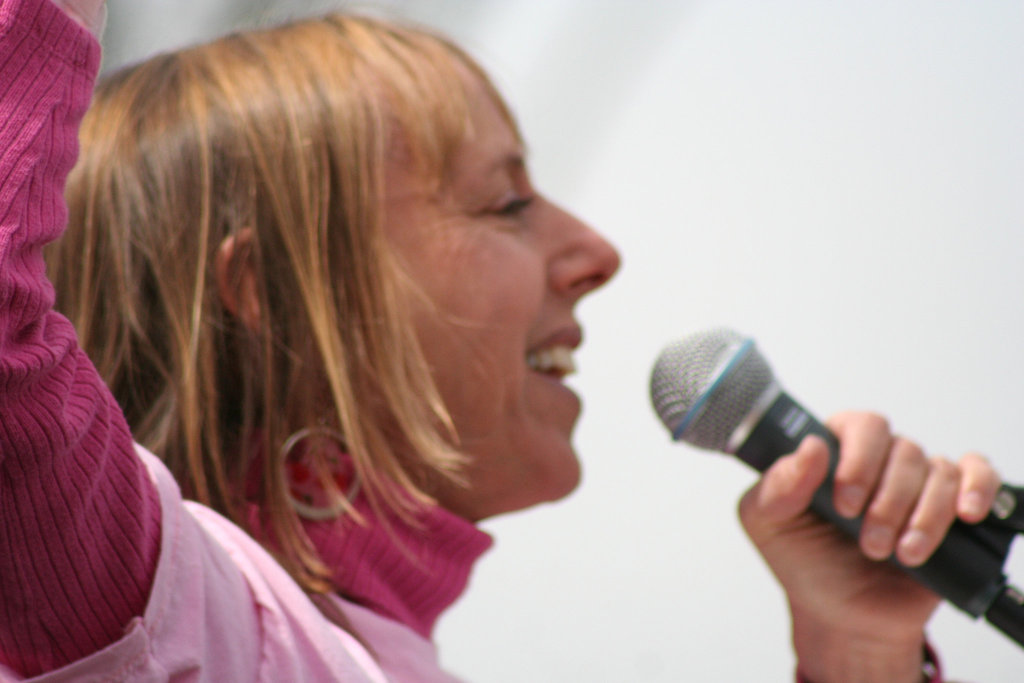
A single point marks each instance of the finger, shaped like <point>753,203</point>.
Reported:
<point>933,515</point>
<point>979,484</point>
<point>91,14</point>
<point>864,444</point>
<point>903,479</point>
<point>786,489</point>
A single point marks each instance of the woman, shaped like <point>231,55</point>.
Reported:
<point>311,267</point>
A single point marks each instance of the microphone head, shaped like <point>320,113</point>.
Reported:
<point>704,386</point>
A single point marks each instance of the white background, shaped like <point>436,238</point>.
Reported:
<point>842,180</point>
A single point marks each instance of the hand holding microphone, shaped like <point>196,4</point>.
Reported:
<point>714,390</point>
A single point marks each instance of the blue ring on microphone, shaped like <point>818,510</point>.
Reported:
<point>698,407</point>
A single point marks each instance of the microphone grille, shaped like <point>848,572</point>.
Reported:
<point>690,391</point>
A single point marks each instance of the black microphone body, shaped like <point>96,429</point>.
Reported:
<point>963,569</point>
<point>716,392</point>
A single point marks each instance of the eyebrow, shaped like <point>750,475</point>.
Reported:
<point>513,157</point>
<point>508,162</point>
<point>511,161</point>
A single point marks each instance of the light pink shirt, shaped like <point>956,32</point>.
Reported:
<point>223,610</point>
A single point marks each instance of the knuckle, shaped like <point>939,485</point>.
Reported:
<point>944,469</point>
<point>977,470</point>
<point>909,453</point>
<point>876,422</point>
<point>974,459</point>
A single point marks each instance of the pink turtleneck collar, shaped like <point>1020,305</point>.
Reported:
<point>410,573</point>
<point>407,571</point>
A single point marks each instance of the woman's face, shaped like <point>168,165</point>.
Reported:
<point>502,269</point>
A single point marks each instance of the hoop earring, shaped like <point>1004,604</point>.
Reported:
<point>303,474</point>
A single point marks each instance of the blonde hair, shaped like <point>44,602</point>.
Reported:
<point>283,133</point>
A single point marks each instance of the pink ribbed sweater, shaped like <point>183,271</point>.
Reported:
<point>79,524</point>
<point>80,519</point>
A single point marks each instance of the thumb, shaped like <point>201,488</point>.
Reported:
<point>785,491</point>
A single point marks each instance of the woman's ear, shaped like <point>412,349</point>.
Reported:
<point>236,278</point>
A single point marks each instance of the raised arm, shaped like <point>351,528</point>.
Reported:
<point>79,518</point>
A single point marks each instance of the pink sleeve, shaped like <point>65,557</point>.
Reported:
<point>79,518</point>
<point>931,671</point>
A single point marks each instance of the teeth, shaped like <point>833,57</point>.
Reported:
<point>556,360</point>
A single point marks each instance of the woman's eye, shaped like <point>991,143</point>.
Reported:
<point>514,206</point>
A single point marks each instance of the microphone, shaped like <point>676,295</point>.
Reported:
<point>714,390</point>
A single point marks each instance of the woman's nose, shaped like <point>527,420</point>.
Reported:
<point>582,259</point>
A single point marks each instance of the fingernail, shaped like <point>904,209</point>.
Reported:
<point>877,542</point>
<point>972,504</point>
<point>911,549</point>
<point>849,500</point>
